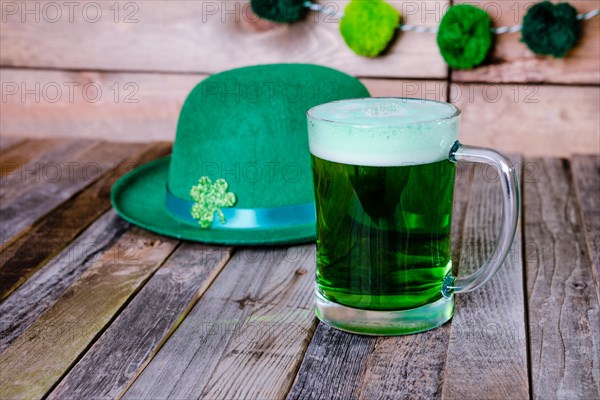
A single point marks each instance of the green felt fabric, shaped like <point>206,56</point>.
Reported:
<point>247,126</point>
<point>464,36</point>
<point>368,27</point>
<point>279,10</point>
<point>148,212</point>
<point>551,29</point>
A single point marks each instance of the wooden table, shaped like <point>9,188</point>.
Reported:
<point>93,307</point>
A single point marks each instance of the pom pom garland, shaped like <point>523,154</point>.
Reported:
<point>550,29</point>
<point>368,27</point>
<point>279,10</point>
<point>464,36</point>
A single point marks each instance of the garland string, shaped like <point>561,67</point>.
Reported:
<point>433,29</point>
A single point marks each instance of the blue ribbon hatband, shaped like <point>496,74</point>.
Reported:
<point>246,218</point>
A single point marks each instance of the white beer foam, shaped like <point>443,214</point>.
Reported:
<point>383,131</point>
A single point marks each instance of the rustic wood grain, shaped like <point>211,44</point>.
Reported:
<point>202,36</point>
<point>387,367</point>
<point>512,61</point>
<point>487,354</point>
<point>17,157</point>
<point>564,316</point>
<point>9,142</point>
<point>153,116</point>
<point>72,176</point>
<point>56,230</point>
<point>46,286</point>
<point>586,177</point>
<point>245,337</point>
<point>534,120</point>
<point>145,107</point>
<point>38,358</point>
<point>138,332</point>
<point>411,88</point>
<point>38,171</point>
<point>529,119</point>
<point>332,357</point>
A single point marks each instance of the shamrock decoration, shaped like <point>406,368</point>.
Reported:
<point>209,197</point>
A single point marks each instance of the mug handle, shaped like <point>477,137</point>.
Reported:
<point>510,216</point>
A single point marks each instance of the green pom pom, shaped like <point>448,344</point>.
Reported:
<point>279,10</point>
<point>551,29</point>
<point>464,36</point>
<point>368,26</point>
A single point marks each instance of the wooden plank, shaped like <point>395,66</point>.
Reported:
<point>56,230</point>
<point>153,116</point>
<point>38,358</point>
<point>545,113</point>
<point>412,88</point>
<point>137,334</point>
<point>386,367</point>
<point>534,120</point>
<point>487,354</point>
<point>564,316</point>
<point>65,180</point>
<point>245,337</point>
<point>586,178</point>
<point>209,37</point>
<point>9,142</point>
<point>18,156</point>
<point>512,61</point>
<point>43,169</point>
<point>332,357</point>
<point>46,286</point>
<point>133,107</point>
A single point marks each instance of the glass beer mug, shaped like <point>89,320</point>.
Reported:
<point>384,173</point>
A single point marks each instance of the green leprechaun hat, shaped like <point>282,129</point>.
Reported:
<point>240,169</point>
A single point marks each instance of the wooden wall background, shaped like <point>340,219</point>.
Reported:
<point>146,55</point>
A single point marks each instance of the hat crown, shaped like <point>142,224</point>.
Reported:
<point>248,126</point>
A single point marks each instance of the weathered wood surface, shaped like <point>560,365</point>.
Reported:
<point>221,30</point>
<point>146,107</point>
<point>119,312</point>
<point>392,367</point>
<point>333,357</point>
<point>16,157</point>
<point>252,326</point>
<point>131,341</point>
<point>487,352</point>
<point>512,61</point>
<point>9,142</point>
<point>411,88</point>
<point>544,112</point>
<point>564,323</point>
<point>533,120</point>
<point>55,231</point>
<point>37,359</point>
<point>586,177</point>
<point>210,37</point>
<point>44,288</point>
<point>70,176</point>
<point>133,107</point>
<point>37,171</point>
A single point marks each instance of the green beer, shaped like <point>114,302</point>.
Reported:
<point>383,187</point>
<point>383,233</point>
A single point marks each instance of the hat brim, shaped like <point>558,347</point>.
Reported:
<point>139,198</point>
